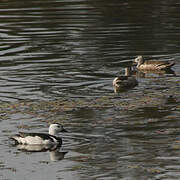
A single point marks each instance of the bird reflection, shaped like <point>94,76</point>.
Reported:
<point>143,73</point>
<point>57,155</point>
<point>54,153</point>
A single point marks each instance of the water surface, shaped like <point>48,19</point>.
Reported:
<point>68,53</point>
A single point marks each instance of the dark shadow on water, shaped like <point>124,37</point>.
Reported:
<point>151,112</point>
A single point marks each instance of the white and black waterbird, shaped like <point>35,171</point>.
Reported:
<point>40,138</point>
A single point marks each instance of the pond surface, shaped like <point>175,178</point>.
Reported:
<point>58,60</point>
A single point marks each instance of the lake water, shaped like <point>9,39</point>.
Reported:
<point>58,59</point>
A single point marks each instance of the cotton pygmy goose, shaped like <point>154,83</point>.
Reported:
<point>40,138</point>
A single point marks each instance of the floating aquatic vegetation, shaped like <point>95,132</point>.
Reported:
<point>60,109</point>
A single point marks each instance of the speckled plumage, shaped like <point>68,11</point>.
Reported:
<point>152,64</point>
<point>124,82</point>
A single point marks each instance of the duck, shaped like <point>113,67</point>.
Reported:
<point>124,82</point>
<point>32,138</point>
<point>152,64</point>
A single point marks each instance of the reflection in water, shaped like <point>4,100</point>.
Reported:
<point>51,49</point>
<point>57,155</point>
<point>145,73</point>
<point>54,153</point>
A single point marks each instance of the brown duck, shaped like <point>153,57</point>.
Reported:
<point>152,64</point>
<point>124,82</point>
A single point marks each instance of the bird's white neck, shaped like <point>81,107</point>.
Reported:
<point>52,132</point>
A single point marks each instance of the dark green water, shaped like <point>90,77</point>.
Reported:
<point>72,50</point>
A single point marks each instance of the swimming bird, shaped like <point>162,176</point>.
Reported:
<point>124,82</point>
<point>40,138</point>
<point>152,64</point>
